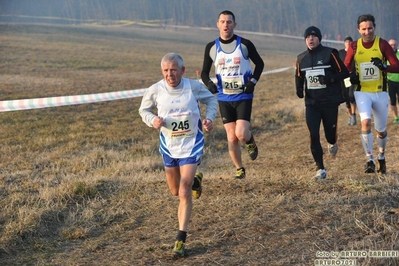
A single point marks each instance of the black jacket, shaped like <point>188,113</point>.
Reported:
<point>321,58</point>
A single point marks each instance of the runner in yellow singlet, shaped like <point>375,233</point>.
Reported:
<point>370,54</point>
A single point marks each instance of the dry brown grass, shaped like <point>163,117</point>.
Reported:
<point>84,185</point>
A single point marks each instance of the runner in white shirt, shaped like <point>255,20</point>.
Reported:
<point>181,136</point>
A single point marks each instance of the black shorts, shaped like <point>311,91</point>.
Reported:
<point>349,96</point>
<point>233,111</point>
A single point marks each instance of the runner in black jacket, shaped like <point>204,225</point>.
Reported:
<point>320,71</point>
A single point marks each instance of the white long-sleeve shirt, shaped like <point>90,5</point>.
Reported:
<point>181,135</point>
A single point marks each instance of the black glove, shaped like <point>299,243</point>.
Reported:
<point>324,80</point>
<point>212,87</point>
<point>354,78</point>
<point>248,88</point>
<point>378,63</point>
<point>299,93</point>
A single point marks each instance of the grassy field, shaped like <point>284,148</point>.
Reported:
<point>84,184</point>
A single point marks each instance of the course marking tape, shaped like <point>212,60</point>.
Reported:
<point>36,103</point>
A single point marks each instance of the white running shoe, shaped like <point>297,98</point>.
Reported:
<point>321,174</point>
<point>352,120</point>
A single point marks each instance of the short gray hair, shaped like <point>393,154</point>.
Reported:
<point>173,57</point>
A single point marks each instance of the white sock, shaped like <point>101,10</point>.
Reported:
<point>382,143</point>
<point>367,141</point>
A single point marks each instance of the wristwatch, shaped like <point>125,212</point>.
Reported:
<point>253,80</point>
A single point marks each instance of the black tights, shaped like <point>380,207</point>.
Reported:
<point>314,116</point>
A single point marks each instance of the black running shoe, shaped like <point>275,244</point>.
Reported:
<point>370,167</point>
<point>382,169</point>
<point>240,173</point>
<point>197,187</point>
<point>252,149</point>
<point>179,249</point>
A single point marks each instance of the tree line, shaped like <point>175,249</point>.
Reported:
<point>334,17</point>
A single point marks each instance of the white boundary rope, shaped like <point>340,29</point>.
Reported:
<point>36,103</point>
<point>26,104</point>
